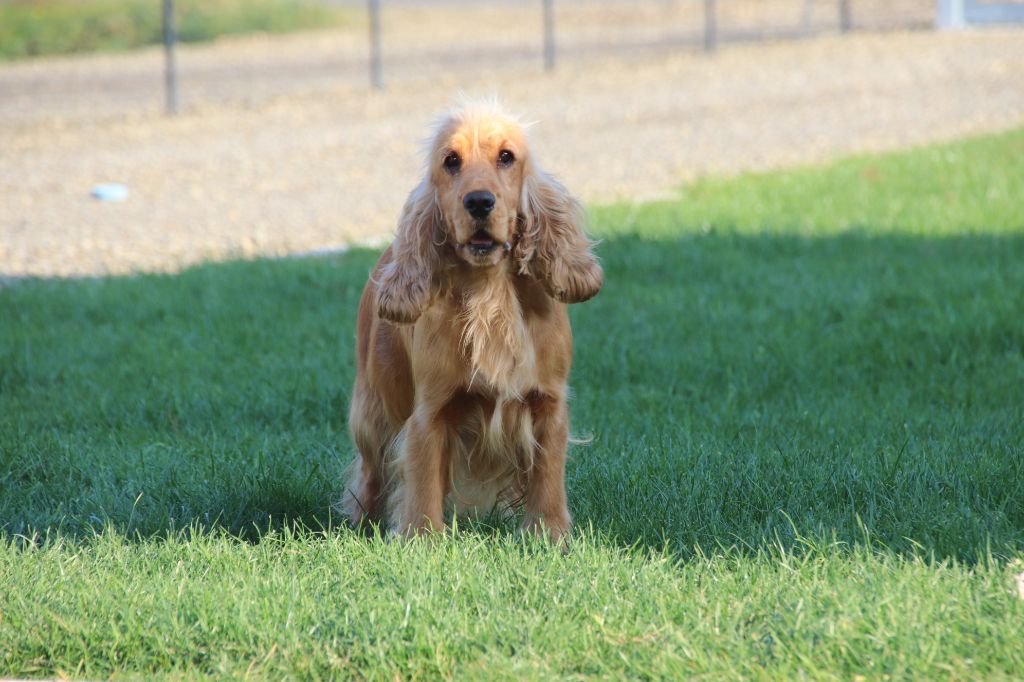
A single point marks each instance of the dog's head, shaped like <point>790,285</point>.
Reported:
<point>483,200</point>
<point>477,165</point>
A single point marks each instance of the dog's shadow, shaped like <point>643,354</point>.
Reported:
<point>746,391</point>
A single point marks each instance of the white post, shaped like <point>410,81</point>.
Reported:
<point>949,14</point>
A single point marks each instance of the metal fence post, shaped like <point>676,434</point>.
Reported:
<point>549,35</point>
<point>170,68</point>
<point>376,69</point>
<point>845,16</point>
<point>710,26</point>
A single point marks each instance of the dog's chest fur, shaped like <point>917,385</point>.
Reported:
<point>496,340</point>
<point>496,431</point>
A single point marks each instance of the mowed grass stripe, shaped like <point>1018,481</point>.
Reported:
<point>805,396</point>
<point>488,607</point>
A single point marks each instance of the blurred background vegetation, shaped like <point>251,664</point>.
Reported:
<point>31,28</point>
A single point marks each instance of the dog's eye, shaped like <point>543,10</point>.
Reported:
<point>452,162</point>
<point>505,158</point>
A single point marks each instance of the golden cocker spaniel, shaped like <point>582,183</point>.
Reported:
<point>463,343</point>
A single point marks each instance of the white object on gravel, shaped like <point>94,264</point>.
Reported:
<point>111,191</point>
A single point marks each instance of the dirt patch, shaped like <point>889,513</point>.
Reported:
<point>278,151</point>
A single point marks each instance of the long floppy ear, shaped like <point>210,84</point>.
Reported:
<point>406,283</point>
<point>552,245</point>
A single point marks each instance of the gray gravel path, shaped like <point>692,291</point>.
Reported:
<point>253,169</point>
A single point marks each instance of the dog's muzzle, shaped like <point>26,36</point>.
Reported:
<point>481,244</point>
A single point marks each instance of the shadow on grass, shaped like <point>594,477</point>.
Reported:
<point>742,390</point>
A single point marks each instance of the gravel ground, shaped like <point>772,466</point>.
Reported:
<point>282,149</point>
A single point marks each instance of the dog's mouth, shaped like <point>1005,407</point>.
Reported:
<point>481,243</point>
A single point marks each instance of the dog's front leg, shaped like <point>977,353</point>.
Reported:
<point>424,475</point>
<point>547,510</point>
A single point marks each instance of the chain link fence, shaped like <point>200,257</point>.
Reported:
<point>385,43</point>
<point>557,31</point>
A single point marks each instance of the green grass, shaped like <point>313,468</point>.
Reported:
<point>806,392</point>
<point>30,28</point>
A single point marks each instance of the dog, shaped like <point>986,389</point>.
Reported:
<point>463,343</point>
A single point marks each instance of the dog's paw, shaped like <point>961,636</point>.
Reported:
<point>556,530</point>
<point>577,282</point>
<point>402,301</point>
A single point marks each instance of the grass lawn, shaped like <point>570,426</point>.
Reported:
<point>31,28</point>
<point>806,396</point>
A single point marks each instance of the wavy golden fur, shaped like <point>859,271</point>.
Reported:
<point>463,342</point>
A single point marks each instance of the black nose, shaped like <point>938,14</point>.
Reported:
<point>479,204</point>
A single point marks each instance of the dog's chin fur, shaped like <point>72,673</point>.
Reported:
<point>500,233</point>
<point>462,358</point>
<point>484,260</point>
